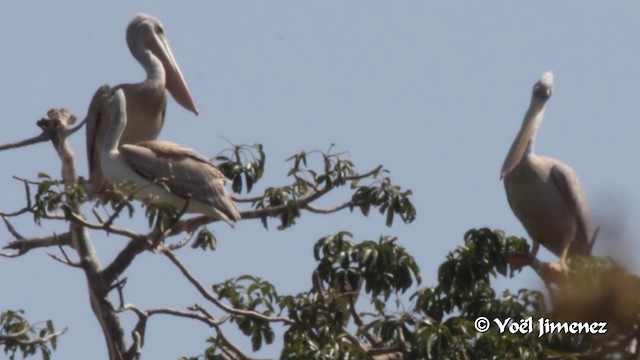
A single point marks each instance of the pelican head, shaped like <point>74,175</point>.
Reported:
<point>146,33</point>
<point>523,144</point>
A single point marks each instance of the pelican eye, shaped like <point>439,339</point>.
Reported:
<point>541,92</point>
<point>159,29</point>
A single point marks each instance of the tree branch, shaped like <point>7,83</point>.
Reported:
<point>238,312</point>
<point>48,133</point>
<point>15,337</point>
<point>105,226</point>
<point>125,258</point>
<point>23,245</point>
<point>331,210</point>
<point>67,260</point>
<point>57,122</point>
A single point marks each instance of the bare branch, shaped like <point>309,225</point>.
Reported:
<point>196,313</point>
<point>8,255</point>
<point>182,242</point>
<point>119,285</point>
<point>191,224</point>
<point>43,137</point>
<point>11,229</point>
<point>169,311</point>
<point>228,343</point>
<point>125,258</point>
<point>331,210</point>
<point>104,226</point>
<point>23,245</point>
<point>66,261</point>
<point>200,309</point>
<point>95,212</point>
<point>245,200</point>
<point>217,302</point>
<point>25,209</point>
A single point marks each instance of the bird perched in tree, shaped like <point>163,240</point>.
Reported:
<point>544,193</point>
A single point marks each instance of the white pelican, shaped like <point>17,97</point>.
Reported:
<point>146,101</point>
<point>544,193</point>
<point>191,175</point>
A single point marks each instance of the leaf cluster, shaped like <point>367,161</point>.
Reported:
<point>243,165</point>
<point>17,334</point>
<point>53,195</point>
<point>253,294</point>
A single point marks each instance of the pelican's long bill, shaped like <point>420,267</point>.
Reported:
<point>146,32</point>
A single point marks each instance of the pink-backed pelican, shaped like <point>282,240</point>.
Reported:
<point>191,176</point>
<point>544,193</point>
<point>146,101</point>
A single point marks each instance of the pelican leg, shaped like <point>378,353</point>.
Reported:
<point>563,258</point>
<point>534,249</point>
<point>557,273</point>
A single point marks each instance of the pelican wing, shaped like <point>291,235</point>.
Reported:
<point>192,175</point>
<point>97,126</point>
<point>569,186</point>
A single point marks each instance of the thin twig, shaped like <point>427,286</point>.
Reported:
<point>65,261</point>
<point>217,302</point>
<point>107,224</point>
<point>182,242</point>
<point>34,341</point>
<point>331,210</point>
<point>12,230</point>
<point>229,344</point>
<point>112,229</point>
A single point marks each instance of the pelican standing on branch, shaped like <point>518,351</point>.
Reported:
<point>146,101</point>
<point>191,177</point>
<point>544,193</point>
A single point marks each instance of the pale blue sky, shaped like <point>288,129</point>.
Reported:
<point>434,92</point>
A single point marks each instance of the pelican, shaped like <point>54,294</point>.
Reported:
<point>191,176</point>
<point>146,101</point>
<point>544,193</point>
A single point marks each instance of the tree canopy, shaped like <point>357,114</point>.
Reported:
<point>366,297</point>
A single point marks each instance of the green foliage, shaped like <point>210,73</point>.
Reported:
<point>310,184</point>
<point>205,240</point>
<point>17,334</point>
<point>467,273</point>
<point>284,196</point>
<point>320,317</point>
<point>253,294</point>
<point>439,323</point>
<point>52,195</point>
<point>387,198</point>
<point>385,267</point>
<point>356,306</point>
<point>319,329</point>
<point>246,162</point>
<point>160,216</point>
